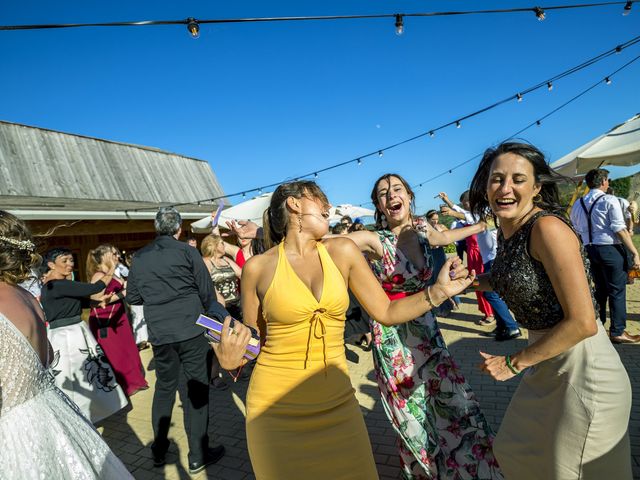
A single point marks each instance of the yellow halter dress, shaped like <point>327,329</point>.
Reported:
<point>303,420</point>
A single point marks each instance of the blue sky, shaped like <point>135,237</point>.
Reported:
<point>266,102</point>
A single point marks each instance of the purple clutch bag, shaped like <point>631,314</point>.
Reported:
<point>214,329</point>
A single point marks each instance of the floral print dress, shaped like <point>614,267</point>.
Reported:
<point>442,434</point>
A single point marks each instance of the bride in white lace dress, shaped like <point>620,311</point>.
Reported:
<point>43,435</point>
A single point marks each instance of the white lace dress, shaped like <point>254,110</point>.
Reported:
<point>43,435</point>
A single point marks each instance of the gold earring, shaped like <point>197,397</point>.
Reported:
<point>537,198</point>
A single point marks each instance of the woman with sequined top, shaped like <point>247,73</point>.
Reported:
<point>568,418</point>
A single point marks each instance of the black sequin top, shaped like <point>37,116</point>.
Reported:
<point>522,281</point>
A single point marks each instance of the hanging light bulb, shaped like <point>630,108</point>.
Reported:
<point>432,134</point>
<point>315,175</point>
<point>244,194</point>
<point>549,86</point>
<point>399,24</point>
<point>607,80</point>
<point>619,49</point>
<point>538,122</point>
<point>359,162</point>
<point>259,191</point>
<point>627,8</point>
<point>193,27</point>
<point>540,15</point>
<point>380,153</point>
<point>519,97</point>
<point>458,124</point>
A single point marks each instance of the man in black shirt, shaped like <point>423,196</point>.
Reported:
<point>171,281</point>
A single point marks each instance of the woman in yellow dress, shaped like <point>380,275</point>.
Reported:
<point>303,420</point>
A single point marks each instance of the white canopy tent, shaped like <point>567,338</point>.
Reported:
<point>254,208</point>
<point>249,210</point>
<point>619,147</point>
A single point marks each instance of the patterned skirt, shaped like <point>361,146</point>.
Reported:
<point>442,432</point>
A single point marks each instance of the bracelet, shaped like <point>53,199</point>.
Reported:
<point>427,294</point>
<point>511,367</point>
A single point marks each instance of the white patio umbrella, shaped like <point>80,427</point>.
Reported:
<point>340,211</point>
<point>249,210</point>
<point>619,147</point>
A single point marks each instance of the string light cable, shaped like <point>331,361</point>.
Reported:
<point>193,24</point>
<point>538,122</point>
<point>429,132</point>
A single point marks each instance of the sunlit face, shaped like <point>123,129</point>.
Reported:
<point>433,219</point>
<point>315,216</point>
<point>220,249</point>
<point>393,200</point>
<point>63,265</point>
<point>511,187</point>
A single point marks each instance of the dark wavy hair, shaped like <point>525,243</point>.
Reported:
<point>379,216</point>
<point>276,218</point>
<point>544,176</point>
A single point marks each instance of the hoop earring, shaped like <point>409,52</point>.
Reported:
<point>300,223</point>
<point>537,198</point>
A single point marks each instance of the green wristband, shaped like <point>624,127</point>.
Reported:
<point>511,367</point>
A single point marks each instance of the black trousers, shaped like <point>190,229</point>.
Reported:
<point>608,268</point>
<point>194,356</point>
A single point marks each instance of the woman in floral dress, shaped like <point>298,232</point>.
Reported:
<point>442,434</point>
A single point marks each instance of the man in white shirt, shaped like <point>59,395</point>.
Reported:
<point>599,219</point>
<point>506,326</point>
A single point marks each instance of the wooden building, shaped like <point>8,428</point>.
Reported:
<point>78,192</point>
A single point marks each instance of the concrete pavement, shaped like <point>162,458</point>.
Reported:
<point>129,433</point>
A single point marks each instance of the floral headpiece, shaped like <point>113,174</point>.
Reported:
<point>27,245</point>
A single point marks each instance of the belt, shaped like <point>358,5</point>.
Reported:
<point>65,321</point>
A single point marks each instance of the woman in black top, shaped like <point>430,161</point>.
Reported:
<point>568,418</point>
<point>79,365</point>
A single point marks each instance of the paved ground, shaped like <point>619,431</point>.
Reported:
<point>129,433</point>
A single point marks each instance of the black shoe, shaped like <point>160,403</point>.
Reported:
<point>159,459</point>
<point>505,335</point>
<point>492,333</point>
<point>211,456</point>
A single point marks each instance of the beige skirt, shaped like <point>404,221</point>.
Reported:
<point>569,417</point>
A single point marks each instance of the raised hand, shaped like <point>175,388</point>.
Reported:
<point>243,228</point>
<point>453,278</point>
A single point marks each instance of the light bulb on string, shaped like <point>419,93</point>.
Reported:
<point>627,8</point>
<point>244,194</point>
<point>549,86</point>
<point>193,27</point>
<point>458,124</point>
<point>315,175</point>
<point>607,80</point>
<point>540,15</point>
<point>432,134</point>
<point>618,49</point>
<point>519,97</point>
<point>538,123</point>
<point>359,162</point>
<point>399,24</point>
<point>380,153</point>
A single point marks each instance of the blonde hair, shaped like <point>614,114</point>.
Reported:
<point>17,251</point>
<point>210,244</point>
<point>95,256</point>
